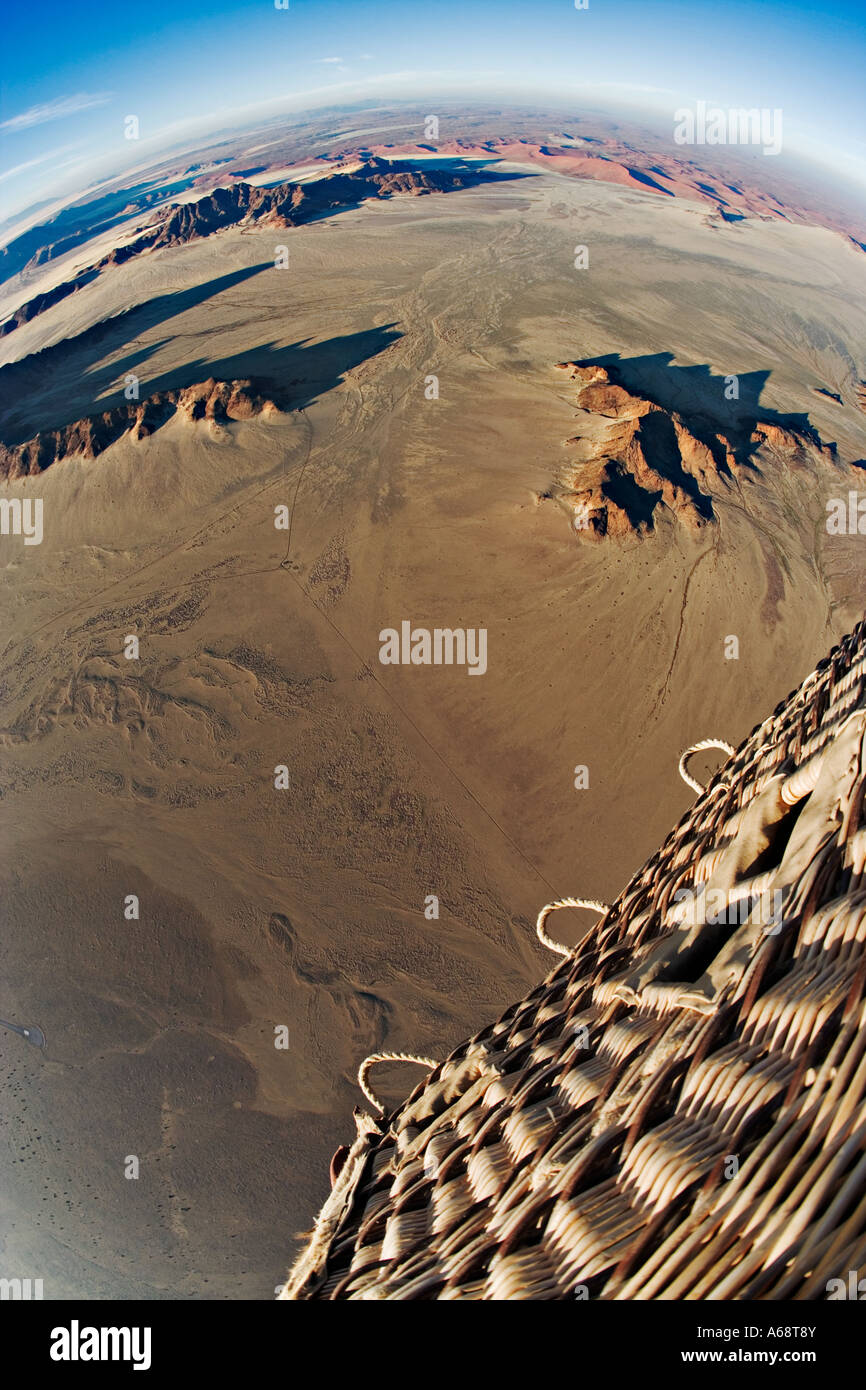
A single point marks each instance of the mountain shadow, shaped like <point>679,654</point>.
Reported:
<point>234,387</point>
<point>672,436</point>
<point>701,398</point>
<point>44,390</point>
<point>291,376</point>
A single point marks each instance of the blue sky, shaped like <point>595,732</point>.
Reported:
<point>184,67</point>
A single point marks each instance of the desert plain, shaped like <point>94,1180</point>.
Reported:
<point>422,444</point>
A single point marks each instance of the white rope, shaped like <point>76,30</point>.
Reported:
<point>699,748</point>
<point>591,903</point>
<point>375,1057</point>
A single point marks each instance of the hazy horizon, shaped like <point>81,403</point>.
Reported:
<point>184,75</point>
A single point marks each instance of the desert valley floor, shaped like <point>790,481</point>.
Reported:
<point>304,906</point>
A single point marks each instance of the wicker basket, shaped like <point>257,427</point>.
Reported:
<point>679,1110</point>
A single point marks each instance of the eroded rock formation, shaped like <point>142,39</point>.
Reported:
<point>289,204</point>
<point>651,458</point>
<point>220,401</point>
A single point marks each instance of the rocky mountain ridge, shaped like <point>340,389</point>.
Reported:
<point>220,401</point>
<point>652,458</point>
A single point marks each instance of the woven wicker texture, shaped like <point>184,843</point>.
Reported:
<point>678,1111</point>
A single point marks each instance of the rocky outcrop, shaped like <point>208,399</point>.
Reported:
<point>788,441</point>
<point>285,205</point>
<point>220,401</point>
<point>651,458</point>
<point>289,204</point>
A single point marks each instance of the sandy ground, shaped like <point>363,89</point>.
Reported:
<point>304,907</point>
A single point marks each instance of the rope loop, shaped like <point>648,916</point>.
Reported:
<point>375,1057</point>
<point>591,903</point>
<point>690,781</point>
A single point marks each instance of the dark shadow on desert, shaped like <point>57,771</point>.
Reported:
<point>698,395</point>
<point>33,373</point>
<point>292,375</point>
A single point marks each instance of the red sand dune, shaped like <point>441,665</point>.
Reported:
<point>612,161</point>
